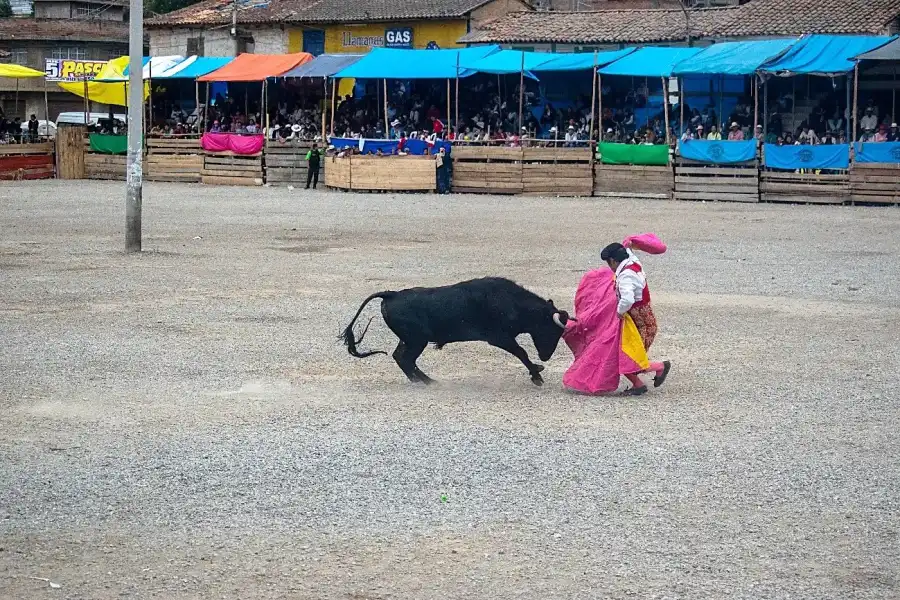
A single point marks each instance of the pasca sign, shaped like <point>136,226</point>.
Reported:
<point>65,69</point>
<point>398,37</point>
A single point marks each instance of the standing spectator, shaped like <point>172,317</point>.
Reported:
<point>442,165</point>
<point>714,134</point>
<point>33,128</point>
<point>312,166</point>
<point>437,126</point>
<point>736,134</point>
<point>760,136</point>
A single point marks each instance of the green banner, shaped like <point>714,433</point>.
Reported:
<point>633,154</point>
<point>109,144</point>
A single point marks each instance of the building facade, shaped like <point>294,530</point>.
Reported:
<point>227,28</point>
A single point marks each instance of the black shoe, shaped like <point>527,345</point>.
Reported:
<point>635,391</point>
<point>661,378</point>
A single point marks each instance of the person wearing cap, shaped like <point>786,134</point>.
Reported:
<point>571,136</point>
<point>633,295</point>
<point>869,122</point>
<point>882,134</point>
<point>395,133</point>
<point>736,134</point>
<point>760,136</point>
<point>894,133</point>
<point>714,135</point>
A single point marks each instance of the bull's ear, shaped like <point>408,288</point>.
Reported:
<point>550,302</point>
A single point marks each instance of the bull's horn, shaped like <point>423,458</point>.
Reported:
<point>558,321</point>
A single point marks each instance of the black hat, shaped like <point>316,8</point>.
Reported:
<point>614,251</point>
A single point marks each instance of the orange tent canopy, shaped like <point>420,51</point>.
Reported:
<point>257,67</point>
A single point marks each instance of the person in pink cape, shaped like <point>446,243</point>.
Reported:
<point>616,325</point>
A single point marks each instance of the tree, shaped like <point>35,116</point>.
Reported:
<point>161,7</point>
<point>5,9</point>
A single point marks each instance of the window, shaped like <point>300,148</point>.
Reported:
<point>195,46</point>
<point>73,52</point>
<point>18,56</point>
<point>83,12</point>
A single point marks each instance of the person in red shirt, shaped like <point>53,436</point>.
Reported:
<point>437,126</point>
<point>736,134</point>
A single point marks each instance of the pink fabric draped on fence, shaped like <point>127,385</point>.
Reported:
<point>239,144</point>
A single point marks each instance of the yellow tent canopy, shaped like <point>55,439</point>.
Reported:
<point>18,71</point>
<point>106,93</point>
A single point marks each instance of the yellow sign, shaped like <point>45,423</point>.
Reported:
<point>416,34</point>
<point>66,69</point>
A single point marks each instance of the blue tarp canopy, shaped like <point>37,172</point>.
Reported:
<point>824,54</point>
<point>733,58</point>
<point>193,67</point>
<point>392,63</point>
<point>324,65</point>
<point>649,62</point>
<point>511,61</point>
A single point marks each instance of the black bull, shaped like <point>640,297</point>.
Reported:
<point>491,310</point>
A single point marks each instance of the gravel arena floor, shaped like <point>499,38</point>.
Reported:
<point>184,423</point>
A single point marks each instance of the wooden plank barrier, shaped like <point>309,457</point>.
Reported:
<point>487,170</point>
<point>875,183</point>
<point>98,165</point>
<point>805,188</point>
<point>173,159</point>
<point>381,173</point>
<point>228,168</point>
<point>557,171</point>
<point>738,182</point>
<point>633,181</point>
<point>27,161</point>
<point>286,163</point>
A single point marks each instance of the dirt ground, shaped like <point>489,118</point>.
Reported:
<point>184,423</point>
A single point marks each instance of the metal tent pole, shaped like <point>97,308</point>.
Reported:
<point>333,95</point>
<point>593,102</point>
<point>521,90</point>
<point>666,107</point>
<point>855,100</point>
<point>387,125</point>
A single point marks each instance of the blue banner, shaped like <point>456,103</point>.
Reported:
<point>792,158</point>
<point>876,152</point>
<point>371,146</point>
<point>716,152</point>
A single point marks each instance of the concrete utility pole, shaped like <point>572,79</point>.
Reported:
<point>135,171</point>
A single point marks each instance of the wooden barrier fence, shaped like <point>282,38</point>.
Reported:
<point>381,173</point>
<point>804,188</point>
<point>177,159</point>
<point>228,168</point>
<point>737,182</point>
<point>633,181</point>
<point>27,161</point>
<point>98,165</point>
<point>530,170</point>
<point>875,183</point>
<point>286,163</point>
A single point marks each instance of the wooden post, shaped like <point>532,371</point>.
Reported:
<point>593,102</point>
<point>599,107</point>
<point>456,119</point>
<point>387,124</point>
<point>793,103</point>
<point>46,115</point>
<point>197,104</point>
<point>148,123</point>
<point>86,105</point>
<point>847,105</point>
<point>766,107</point>
<point>206,109</point>
<point>521,91</point>
<point>755,104</point>
<point>666,107</point>
<point>324,107</point>
<point>681,108</point>
<point>855,100</point>
<point>448,107</point>
<point>333,96</point>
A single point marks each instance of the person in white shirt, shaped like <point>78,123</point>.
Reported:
<point>869,122</point>
<point>634,301</point>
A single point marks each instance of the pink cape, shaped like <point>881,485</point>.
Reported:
<point>239,144</point>
<point>645,242</point>
<point>596,338</point>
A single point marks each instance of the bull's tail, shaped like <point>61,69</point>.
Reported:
<point>350,339</point>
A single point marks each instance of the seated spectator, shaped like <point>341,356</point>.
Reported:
<point>714,134</point>
<point>808,137</point>
<point>736,134</point>
<point>759,137</point>
<point>869,122</point>
<point>894,133</point>
<point>836,122</point>
<point>882,134</point>
<point>842,137</point>
<point>829,138</point>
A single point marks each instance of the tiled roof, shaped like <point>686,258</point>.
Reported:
<point>218,12</point>
<point>601,26</point>
<point>755,18</point>
<point>14,29</point>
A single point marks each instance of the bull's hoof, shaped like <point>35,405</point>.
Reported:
<point>537,380</point>
<point>538,368</point>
